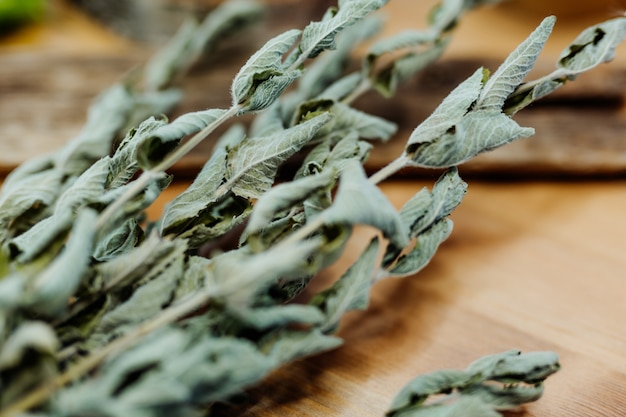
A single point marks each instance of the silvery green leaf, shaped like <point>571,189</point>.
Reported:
<point>193,277</point>
<point>253,164</point>
<point>416,51</point>
<point>286,346</point>
<point>123,163</point>
<point>215,221</point>
<point>193,38</point>
<point>29,194</point>
<point>52,289</point>
<point>200,195</point>
<point>163,67</point>
<point>531,92</point>
<point>504,398</point>
<point>264,318</point>
<point>426,208</point>
<point>266,92</point>
<point>217,368</point>
<point>239,275</point>
<point>319,36</point>
<point>155,146</point>
<point>43,238</point>
<point>140,357</point>
<point>139,263</point>
<point>594,46</point>
<point>330,65</point>
<point>315,160</point>
<point>118,241</point>
<point>29,336</point>
<point>404,68</point>
<point>420,388</point>
<point>514,69</point>
<point>285,196</point>
<point>450,112</point>
<point>106,117</point>
<point>351,291</point>
<point>349,147</point>
<point>447,12</point>
<point>341,88</point>
<point>360,202</point>
<point>145,302</point>
<point>12,288</point>
<point>27,360</point>
<point>367,125</point>
<point>479,131</point>
<point>271,232</point>
<point>263,66</point>
<point>464,406</point>
<point>26,169</point>
<point>425,248</point>
<point>514,367</point>
<point>87,188</point>
<point>268,122</point>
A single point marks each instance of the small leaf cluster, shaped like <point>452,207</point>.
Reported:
<point>104,313</point>
<point>493,383</point>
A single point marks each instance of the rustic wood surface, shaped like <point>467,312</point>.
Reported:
<point>535,265</point>
<point>50,73</point>
<point>529,265</point>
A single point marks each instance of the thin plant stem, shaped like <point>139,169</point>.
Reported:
<point>167,316</point>
<point>159,170</point>
<point>387,171</point>
<point>364,86</point>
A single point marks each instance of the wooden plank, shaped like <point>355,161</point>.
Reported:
<point>533,265</point>
<point>44,95</point>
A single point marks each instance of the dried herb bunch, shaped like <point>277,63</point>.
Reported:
<point>105,314</point>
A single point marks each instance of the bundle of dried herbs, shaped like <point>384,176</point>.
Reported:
<point>105,314</point>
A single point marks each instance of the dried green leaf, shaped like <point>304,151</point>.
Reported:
<point>426,208</point>
<point>118,241</point>
<point>320,36</point>
<point>450,112</point>
<point>351,291</point>
<point>496,382</point>
<point>23,199</point>
<point>265,318</point>
<point>201,194</point>
<point>594,46</point>
<point>253,164</point>
<point>414,51</point>
<point>153,148</point>
<point>49,293</point>
<point>216,220</point>
<point>285,196</point>
<point>514,69</point>
<point>239,275</point>
<point>346,118</point>
<point>360,202</point>
<point>479,131</point>
<point>264,76</point>
<point>286,346</point>
<point>195,38</point>
<point>427,244</point>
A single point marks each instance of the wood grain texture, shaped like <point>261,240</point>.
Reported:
<point>534,266</point>
<point>49,75</point>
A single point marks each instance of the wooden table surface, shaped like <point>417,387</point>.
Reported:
<point>530,265</point>
<point>534,265</point>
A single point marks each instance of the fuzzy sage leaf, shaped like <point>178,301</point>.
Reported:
<point>499,382</point>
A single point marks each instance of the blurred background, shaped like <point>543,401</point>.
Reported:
<point>56,55</point>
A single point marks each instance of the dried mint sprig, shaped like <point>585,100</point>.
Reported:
<point>170,331</point>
